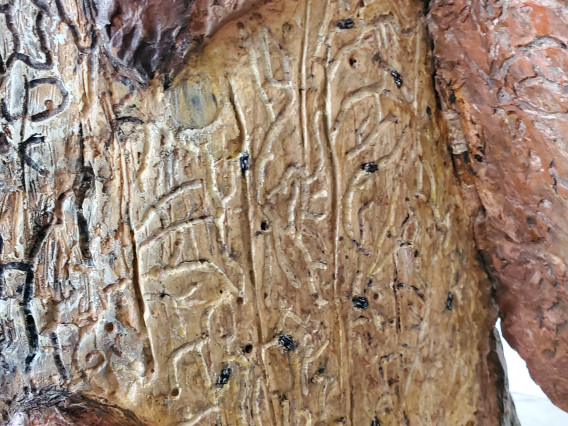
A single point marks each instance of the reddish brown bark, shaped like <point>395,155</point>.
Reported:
<point>501,71</point>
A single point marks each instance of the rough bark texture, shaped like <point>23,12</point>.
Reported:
<point>276,236</point>
<point>57,407</point>
<point>151,37</point>
<point>502,70</point>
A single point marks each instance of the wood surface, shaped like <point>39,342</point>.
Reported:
<point>271,234</point>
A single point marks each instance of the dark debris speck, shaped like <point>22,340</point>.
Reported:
<point>244,162</point>
<point>449,301</point>
<point>370,167</point>
<point>397,78</point>
<point>452,97</point>
<point>223,377</point>
<point>345,24</point>
<point>360,302</point>
<point>286,342</point>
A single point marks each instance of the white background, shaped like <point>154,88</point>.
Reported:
<point>533,406</point>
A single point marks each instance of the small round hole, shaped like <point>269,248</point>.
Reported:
<point>247,349</point>
<point>175,392</point>
<point>240,300</point>
<point>109,327</point>
<point>264,225</point>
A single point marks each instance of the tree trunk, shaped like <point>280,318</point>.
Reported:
<point>268,233</point>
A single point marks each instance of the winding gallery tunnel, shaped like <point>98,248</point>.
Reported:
<point>289,212</point>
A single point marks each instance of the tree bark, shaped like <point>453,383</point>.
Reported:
<point>269,233</point>
<point>501,75</point>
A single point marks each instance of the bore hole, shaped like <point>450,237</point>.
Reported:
<point>175,392</point>
<point>109,327</point>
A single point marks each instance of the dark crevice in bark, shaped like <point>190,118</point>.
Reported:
<point>57,357</point>
<point>83,185</point>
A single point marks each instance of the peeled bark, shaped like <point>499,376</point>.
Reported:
<point>269,232</point>
<point>502,74</point>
